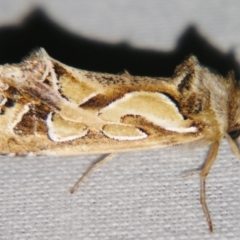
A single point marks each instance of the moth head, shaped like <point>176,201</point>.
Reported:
<point>233,88</point>
<point>234,130</point>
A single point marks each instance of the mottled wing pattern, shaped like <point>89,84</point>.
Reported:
<point>48,107</point>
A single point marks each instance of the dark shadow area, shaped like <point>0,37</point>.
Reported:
<point>37,30</point>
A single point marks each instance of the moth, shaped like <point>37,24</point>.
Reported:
<point>47,107</point>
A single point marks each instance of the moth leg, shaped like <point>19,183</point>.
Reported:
<point>95,166</point>
<point>192,173</point>
<point>203,175</point>
<point>232,145</point>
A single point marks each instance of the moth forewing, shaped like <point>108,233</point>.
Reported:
<point>50,108</point>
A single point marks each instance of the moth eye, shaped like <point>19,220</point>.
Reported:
<point>234,134</point>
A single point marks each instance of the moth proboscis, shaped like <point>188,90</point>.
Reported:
<point>47,107</point>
